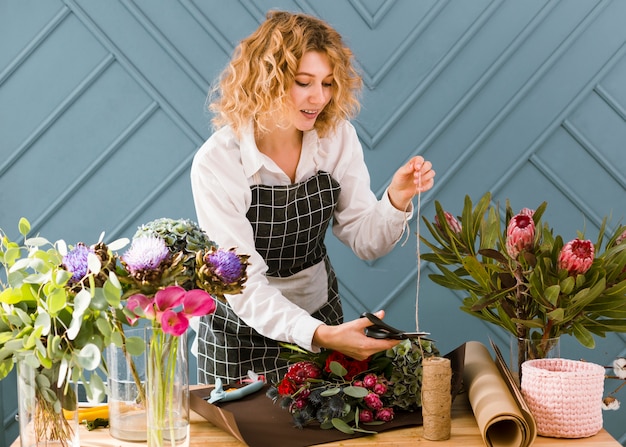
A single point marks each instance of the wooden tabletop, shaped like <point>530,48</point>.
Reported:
<point>464,433</point>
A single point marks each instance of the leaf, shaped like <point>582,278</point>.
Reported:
<point>341,425</point>
<point>112,292</point>
<point>89,357</point>
<point>23,226</point>
<point>330,392</point>
<point>356,391</point>
<point>118,244</point>
<point>337,369</point>
<point>557,315</point>
<point>477,271</point>
<point>552,294</point>
<point>583,335</point>
<point>56,301</point>
<point>135,345</point>
<point>95,388</point>
<point>93,263</point>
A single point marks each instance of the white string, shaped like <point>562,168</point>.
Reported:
<point>408,233</point>
<point>419,266</point>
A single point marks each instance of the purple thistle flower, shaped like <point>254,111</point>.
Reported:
<point>75,261</point>
<point>146,253</point>
<point>226,264</point>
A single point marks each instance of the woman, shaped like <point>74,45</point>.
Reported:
<point>283,163</point>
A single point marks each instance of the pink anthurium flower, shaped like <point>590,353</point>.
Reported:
<point>141,305</point>
<point>169,298</point>
<point>174,323</point>
<point>197,302</point>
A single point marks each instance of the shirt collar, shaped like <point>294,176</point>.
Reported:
<point>252,160</point>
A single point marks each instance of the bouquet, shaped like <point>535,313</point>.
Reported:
<point>336,391</point>
<point>171,273</point>
<point>525,278</point>
<point>61,305</point>
<point>54,325</point>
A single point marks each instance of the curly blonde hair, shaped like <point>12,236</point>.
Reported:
<point>262,70</point>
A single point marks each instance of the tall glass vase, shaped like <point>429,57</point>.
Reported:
<point>167,390</point>
<point>127,384</point>
<point>531,348</point>
<point>47,410</point>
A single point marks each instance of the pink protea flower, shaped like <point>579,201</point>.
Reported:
<point>520,234</point>
<point>452,222</point>
<point>301,371</point>
<point>576,256</point>
<point>527,212</point>
<point>620,238</point>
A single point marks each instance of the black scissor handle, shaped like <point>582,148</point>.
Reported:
<point>382,330</point>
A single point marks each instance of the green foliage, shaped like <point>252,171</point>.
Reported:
<point>528,294</point>
<point>49,323</point>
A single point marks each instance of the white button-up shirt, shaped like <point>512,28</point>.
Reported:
<point>222,172</point>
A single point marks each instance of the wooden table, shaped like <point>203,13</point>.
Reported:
<point>464,433</point>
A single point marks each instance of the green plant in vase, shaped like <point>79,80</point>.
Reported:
<point>54,324</point>
<point>523,277</point>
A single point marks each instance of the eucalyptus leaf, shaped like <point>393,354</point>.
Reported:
<point>135,345</point>
<point>94,264</point>
<point>23,226</point>
<point>330,392</point>
<point>356,391</point>
<point>337,369</point>
<point>88,357</point>
<point>342,426</point>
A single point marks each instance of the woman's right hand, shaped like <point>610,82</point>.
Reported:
<point>349,338</point>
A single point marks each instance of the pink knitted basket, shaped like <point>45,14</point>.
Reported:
<point>564,396</point>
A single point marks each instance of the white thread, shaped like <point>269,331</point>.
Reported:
<point>408,234</point>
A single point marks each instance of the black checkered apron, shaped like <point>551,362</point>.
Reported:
<point>289,224</point>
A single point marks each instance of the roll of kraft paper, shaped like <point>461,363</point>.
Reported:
<point>436,398</point>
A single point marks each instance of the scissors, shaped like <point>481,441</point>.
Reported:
<point>381,330</point>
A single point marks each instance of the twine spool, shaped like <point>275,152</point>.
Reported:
<point>436,398</point>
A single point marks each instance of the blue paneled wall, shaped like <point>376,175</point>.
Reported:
<point>102,106</point>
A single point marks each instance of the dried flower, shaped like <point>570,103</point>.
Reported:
<point>385,414</point>
<point>610,403</point>
<point>576,257</point>
<point>520,234</point>
<point>619,367</point>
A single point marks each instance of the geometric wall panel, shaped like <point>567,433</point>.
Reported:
<point>103,105</point>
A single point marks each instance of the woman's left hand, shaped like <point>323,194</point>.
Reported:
<point>415,176</point>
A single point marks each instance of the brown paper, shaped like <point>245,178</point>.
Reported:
<point>501,414</point>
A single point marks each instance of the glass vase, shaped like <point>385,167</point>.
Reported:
<point>127,388</point>
<point>47,409</point>
<point>523,349</point>
<point>167,389</point>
